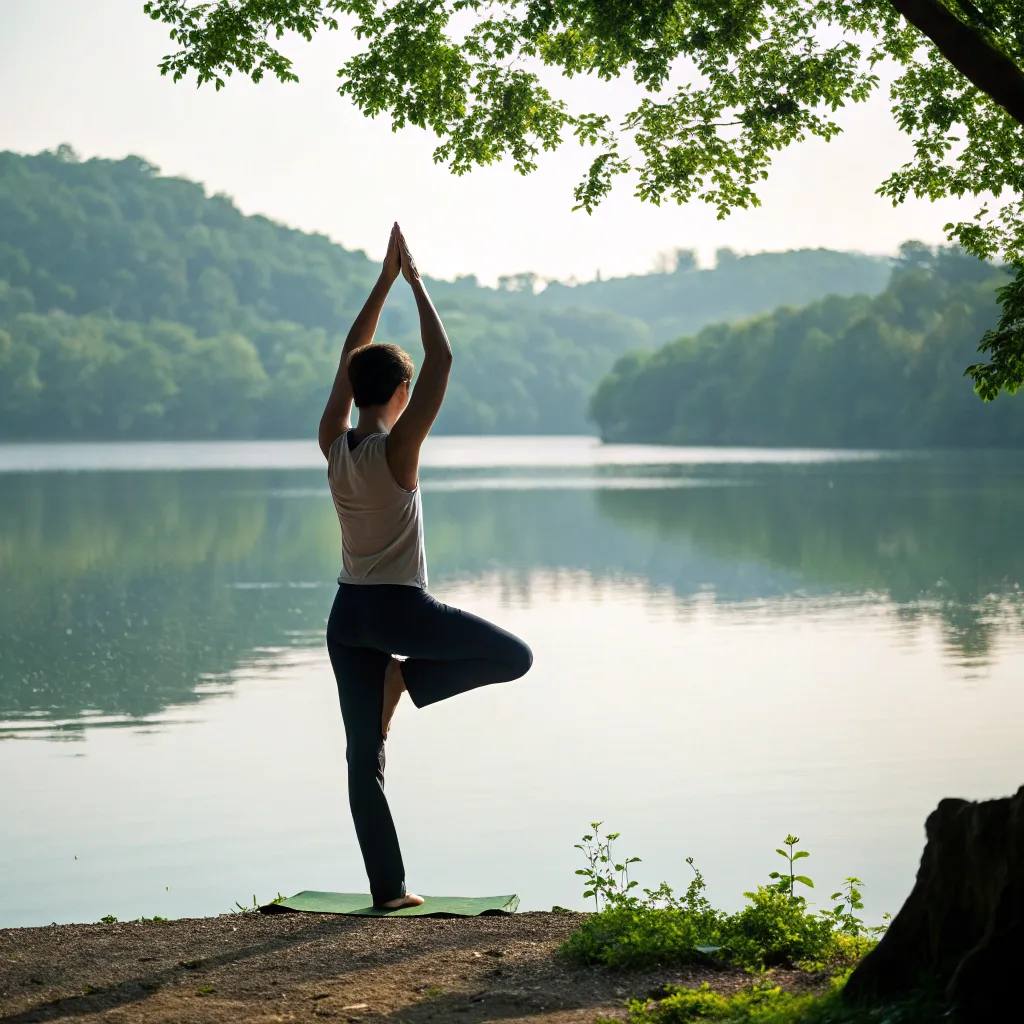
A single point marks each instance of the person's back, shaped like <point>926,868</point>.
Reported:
<point>373,470</point>
<point>381,522</point>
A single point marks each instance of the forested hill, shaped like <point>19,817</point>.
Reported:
<point>879,372</point>
<point>135,305</point>
<point>685,298</point>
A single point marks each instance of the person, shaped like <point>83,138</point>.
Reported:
<point>382,608</point>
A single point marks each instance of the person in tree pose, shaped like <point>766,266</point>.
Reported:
<point>382,608</point>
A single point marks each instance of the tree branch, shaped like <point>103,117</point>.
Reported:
<point>969,52</point>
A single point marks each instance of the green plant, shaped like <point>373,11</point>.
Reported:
<point>606,879</point>
<point>787,884</point>
<point>762,1003</point>
<point>693,901</point>
<point>766,1003</point>
<point>241,908</point>
<point>629,931</point>
<point>639,936</point>
<point>108,919</point>
<point>842,914</point>
<point>776,927</point>
<point>853,937</point>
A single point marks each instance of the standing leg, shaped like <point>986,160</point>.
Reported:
<point>360,675</point>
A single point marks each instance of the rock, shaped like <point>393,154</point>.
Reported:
<point>961,929</point>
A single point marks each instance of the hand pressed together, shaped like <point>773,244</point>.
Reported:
<point>392,258</point>
<point>409,269</point>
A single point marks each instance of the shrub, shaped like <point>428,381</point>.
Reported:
<point>638,936</point>
<point>777,927</point>
<point>638,932</point>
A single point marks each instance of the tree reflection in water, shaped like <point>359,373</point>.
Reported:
<point>123,593</point>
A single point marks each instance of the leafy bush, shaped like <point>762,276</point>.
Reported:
<point>638,936</point>
<point>630,931</point>
<point>777,927</point>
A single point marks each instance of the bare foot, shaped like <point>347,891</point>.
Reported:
<point>394,687</point>
<point>410,899</point>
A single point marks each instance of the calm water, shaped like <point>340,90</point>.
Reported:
<point>730,645</point>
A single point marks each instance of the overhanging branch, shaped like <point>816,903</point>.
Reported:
<point>985,65</point>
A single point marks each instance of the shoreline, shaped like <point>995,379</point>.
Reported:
<point>312,967</point>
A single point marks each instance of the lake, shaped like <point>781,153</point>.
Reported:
<point>730,645</point>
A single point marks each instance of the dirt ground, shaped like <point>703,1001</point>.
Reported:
<point>309,967</point>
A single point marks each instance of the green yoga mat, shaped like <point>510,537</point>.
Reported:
<point>360,904</point>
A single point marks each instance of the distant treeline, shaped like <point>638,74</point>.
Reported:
<point>134,305</point>
<point>853,371</point>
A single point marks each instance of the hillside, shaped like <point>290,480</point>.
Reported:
<point>687,298</point>
<point>857,371</point>
<point>136,305</point>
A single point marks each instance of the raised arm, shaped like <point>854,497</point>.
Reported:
<point>335,419</point>
<point>409,433</point>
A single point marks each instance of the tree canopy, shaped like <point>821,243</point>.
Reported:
<point>851,372</point>
<point>722,87</point>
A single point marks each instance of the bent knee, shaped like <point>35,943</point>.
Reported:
<point>522,660</point>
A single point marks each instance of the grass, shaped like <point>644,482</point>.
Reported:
<point>238,908</point>
<point>242,908</point>
<point>766,1003</point>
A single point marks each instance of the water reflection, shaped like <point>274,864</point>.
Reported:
<point>936,536</point>
<point>123,593</point>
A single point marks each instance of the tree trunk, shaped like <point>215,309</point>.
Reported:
<point>962,927</point>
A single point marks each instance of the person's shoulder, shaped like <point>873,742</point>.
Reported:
<point>337,452</point>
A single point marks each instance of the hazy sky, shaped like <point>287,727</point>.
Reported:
<point>84,72</point>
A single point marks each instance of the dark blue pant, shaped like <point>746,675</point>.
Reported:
<point>449,651</point>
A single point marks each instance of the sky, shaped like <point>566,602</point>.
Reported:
<point>84,72</point>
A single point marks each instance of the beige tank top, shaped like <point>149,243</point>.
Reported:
<point>381,522</point>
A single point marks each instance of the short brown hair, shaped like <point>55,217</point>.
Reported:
<point>375,371</point>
